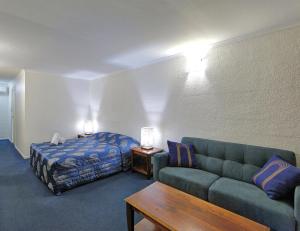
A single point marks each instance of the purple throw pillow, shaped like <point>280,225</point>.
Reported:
<point>181,155</point>
<point>277,178</point>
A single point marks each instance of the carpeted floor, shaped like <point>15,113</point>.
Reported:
<point>26,203</point>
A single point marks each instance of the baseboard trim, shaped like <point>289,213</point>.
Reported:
<point>21,154</point>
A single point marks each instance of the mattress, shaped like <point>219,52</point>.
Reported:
<point>79,161</point>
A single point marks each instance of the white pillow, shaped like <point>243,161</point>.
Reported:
<point>55,139</point>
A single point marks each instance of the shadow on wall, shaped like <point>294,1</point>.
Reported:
<point>149,96</point>
<point>117,105</point>
<point>58,110</point>
<point>158,93</point>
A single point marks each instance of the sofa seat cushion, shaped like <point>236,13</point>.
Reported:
<point>192,181</point>
<point>250,201</point>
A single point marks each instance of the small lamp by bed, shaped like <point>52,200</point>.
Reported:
<point>88,127</point>
<point>147,138</point>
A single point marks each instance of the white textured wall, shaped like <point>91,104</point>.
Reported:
<point>11,113</point>
<point>46,104</point>
<point>54,104</point>
<point>250,93</point>
<point>4,115</point>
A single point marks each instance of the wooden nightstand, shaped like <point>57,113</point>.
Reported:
<point>83,135</point>
<point>141,160</point>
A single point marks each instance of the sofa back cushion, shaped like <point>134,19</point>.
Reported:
<point>236,161</point>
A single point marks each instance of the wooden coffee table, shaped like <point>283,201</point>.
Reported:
<point>166,208</point>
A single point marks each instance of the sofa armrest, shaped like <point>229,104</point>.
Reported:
<point>297,204</point>
<point>160,161</point>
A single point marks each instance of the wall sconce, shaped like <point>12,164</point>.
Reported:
<point>195,54</point>
<point>147,137</point>
<point>88,127</point>
<point>196,59</point>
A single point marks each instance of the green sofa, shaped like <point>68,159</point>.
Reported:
<point>223,176</point>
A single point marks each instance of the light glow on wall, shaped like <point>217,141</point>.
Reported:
<point>157,136</point>
<point>95,126</point>
<point>80,126</point>
<point>88,127</point>
<point>197,74</point>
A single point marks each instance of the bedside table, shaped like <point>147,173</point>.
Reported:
<point>144,154</point>
<point>83,135</point>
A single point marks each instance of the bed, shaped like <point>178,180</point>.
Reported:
<point>79,161</point>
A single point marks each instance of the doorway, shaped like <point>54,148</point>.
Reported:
<point>6,111</point>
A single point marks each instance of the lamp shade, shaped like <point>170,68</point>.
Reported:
<point>147,137</point>
<point>88,127</point>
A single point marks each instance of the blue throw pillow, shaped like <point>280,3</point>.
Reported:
<point>181,155</point>
<point>277,178</point>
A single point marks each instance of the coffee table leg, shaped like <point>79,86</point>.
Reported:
<point>130,217</point>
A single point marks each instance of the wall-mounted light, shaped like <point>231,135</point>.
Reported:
<point>195,54</point>
<point>195,58</point>
<point>147,137</point>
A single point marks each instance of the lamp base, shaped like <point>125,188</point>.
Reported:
<point>147,148</point>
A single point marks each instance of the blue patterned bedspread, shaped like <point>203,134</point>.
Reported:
<point>78,161</point>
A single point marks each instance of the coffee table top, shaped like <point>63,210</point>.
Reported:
<point>176,210</point>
